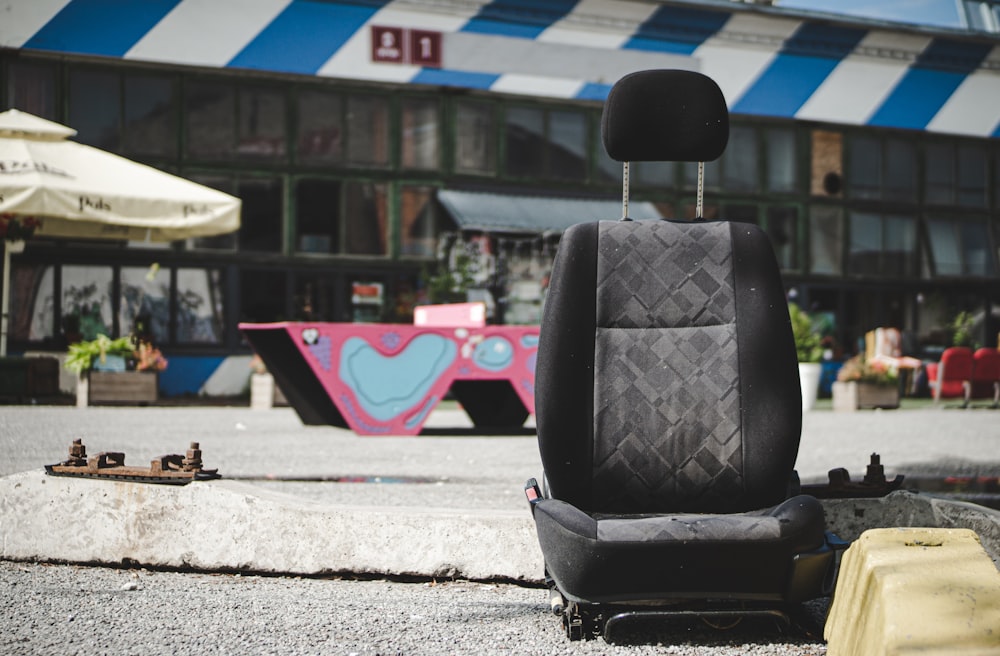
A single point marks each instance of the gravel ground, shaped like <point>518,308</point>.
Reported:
<point>60,609</point>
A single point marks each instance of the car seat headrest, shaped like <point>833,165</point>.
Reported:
<point>665,115</point>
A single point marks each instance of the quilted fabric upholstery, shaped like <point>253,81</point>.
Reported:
<point>667,421</point>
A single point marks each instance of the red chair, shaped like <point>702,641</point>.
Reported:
<point>986,375</point>
<point>952,376</point>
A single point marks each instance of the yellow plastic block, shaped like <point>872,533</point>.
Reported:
<point>915,591</point>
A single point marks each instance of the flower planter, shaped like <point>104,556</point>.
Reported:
<point>852,395</point>
<point>119,387</point>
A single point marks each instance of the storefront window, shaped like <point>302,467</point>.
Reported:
<point>865,167</point>
<point>261,220</point>
<point>740,160</point>
<point>31,87</point>
<point>783,229</point>
<point>826,164</point>
<point>317,206</point>
<point>420,145</point>
<point>32,302</point>
<point>900,171</point>
<point>939,174</point>
<point>960,247</point>
<point>781,160</point>
<point>972,176</point>
<point>211,128</point>
<point>368,130</point>
<point>86,300</point>
<point>321,136</point>
<point>418,221</point>
<point>199,306</point>
<point>474,138</point>
<point>882,245</point>
<point>660,175</point>
<point>150,115</point>
<point>713,175</point>
<point>366,218</point>
<point>826,239</point>
<point>263,294</point>
<point>145,295</point>
<point>94,108</point>
<point>525,135</point>
<point>261,123</point>
<point>567,145</point>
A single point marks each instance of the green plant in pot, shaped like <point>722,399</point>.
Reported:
<point>809,350</point>
<point>82,355</point>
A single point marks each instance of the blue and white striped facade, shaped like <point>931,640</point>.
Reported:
<point>769,62</point>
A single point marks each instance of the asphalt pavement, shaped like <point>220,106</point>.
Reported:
<point>272,455</point>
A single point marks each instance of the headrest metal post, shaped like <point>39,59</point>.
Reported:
<point>625,191</point>
<point>699,210</point>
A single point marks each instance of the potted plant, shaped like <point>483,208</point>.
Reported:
<point>809,350</point>
<point>863,383</point>
<point>115,370</point>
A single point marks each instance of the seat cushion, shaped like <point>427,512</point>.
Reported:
<point>603,558</point>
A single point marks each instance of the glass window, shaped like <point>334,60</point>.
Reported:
<point>826,238</point>
<point>321,136</point>
<point>739,163</point>
<point>900,171</point>
<point>95,108</point>
<point>939,174</point>
<point>650,174</point>
<point>366,218</point>
<point>972,176</point>
<point>900,246</point>
<point>567,145</point>
<point>263,293</point>
<point>960,247</point>
<point>781,160</point>
<point>525,138</point>
<point>368,130</point>
<point>712,175</point>
<point>261,123</point>
<point>317,206</point>
<point>419,221</point>
<point>150,115</point>
<point>31,87</point>
<point>199,306</point>
<point>474,138</point>
<point>420,134</point>
<point>827,169</point>
<point>882,245</point>
<point>314,298</point>
<point>261,220</point>
<point>783,229</point>
<point>211,124</point>
<point>145,294</point>
<point>865,167</point>
<point>86,300</point>
<point>32,303</point>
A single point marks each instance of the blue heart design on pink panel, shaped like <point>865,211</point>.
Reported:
<point>387,386</point>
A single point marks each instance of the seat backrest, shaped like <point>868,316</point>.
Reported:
<point>666,377</point>
<point>986,365</point>
<point>956,364</point>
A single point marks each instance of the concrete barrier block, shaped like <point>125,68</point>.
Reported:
<point>915,590</point>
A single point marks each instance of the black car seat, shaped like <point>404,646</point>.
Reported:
<point>668,401</point>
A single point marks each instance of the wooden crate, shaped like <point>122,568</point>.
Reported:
<point>125,387</point>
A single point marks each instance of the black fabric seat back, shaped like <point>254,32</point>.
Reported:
<point>667,378</point>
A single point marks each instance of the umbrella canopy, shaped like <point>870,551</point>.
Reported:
<point>75,190</point>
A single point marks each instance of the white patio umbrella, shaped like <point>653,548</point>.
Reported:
<point>72,190</point>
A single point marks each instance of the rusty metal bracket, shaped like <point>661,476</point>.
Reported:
<point>172,469</point>
<point>840,485</point>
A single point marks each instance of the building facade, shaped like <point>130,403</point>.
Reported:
<point>371,141</point>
